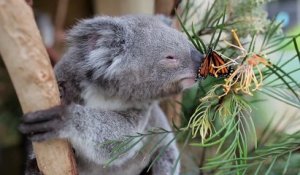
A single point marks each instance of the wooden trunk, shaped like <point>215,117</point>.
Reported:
<point>30,70</point>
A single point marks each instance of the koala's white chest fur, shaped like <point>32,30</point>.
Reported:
<point>91,156</point>
<point>95,98</point>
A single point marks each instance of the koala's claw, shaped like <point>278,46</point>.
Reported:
<point>38,137</point>
<point>43,115</point>
<point>42,125</point>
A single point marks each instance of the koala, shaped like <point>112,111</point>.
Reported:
<point>111,79</point>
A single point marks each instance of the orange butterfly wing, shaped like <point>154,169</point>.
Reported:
<point>212,58</point>
<point>218,61</point>
<point>204,68</point>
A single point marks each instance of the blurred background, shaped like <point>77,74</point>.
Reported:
<point>55,17</point>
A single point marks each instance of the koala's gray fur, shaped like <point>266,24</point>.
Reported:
<point>111,80</point>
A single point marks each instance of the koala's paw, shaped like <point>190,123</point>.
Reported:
<point>44,124</point>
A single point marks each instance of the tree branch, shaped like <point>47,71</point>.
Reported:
<point>29,67</point>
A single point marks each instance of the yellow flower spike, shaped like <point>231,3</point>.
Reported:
<point>243,79</point>
<point>255,59</point>
<point>199,122</point>
<point>235,36</point>
<point>246,78</point>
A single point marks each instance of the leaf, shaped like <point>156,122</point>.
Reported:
<point>201,47</point>
<point>207,15</point>
<point>122,151</point>
<point>252,43</point>
<point>181,151</point>
<point>161,151</point>
<point>278,40</point>
<point>258,168</point>
<point>281,95</point>
<point>157,144</point>
<point>267,34</point>
<point>220,32</point>
<point>288,73</point>
<point>287,163</point>
<point>192,13</point>
<point>271,166</point>
<point>266,130</point>
<point>296,48</point>
<point>284,81</point>
<point>280,47</point>
<point>186,11</point>
<point>184,29</point>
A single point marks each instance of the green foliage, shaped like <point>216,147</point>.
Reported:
<point>219,116</point>
<point>223,122</point>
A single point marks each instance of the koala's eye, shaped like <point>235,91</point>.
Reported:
<point>169,61</point>
<point>170,57</point>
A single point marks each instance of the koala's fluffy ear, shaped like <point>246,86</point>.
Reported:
<point>98,32</point>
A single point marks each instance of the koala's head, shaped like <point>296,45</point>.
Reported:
<point>134,57</point>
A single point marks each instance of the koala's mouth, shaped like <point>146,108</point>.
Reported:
<point>187,81</point>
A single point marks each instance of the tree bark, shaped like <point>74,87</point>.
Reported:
<point>29,67</point>
<point>123,7</point>
<point>164,7</point>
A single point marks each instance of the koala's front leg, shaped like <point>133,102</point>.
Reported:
<point>86,128</point>
<point>75,121</point>
<point>44,124</point>
<point>167,162</point>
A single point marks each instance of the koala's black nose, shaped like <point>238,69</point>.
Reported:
<point>197,58</point>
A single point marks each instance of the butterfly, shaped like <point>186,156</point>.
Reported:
<point>211,64</point>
